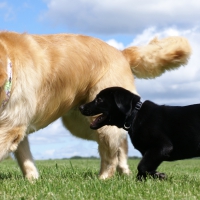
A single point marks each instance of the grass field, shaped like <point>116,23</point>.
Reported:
<point>78,179</point>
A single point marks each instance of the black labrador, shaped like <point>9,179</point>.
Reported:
<point>159,132</point>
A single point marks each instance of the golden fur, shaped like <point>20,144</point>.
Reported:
<point>54,74</point>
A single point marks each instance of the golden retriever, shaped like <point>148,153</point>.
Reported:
<point>44,77</point>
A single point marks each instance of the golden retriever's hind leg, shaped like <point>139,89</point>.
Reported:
<point>123,167</point>
<point>25,160</point>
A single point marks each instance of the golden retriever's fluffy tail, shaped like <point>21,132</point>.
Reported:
<point>158,56</point>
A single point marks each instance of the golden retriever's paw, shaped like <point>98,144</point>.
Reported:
<point>124,170</point>
<point>30,171</point>
<point>107,172</point>
<point>13,147</point>
<point>32,176</point>
<point>104,176</point>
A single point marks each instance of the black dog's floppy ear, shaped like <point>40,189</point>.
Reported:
<point>123,100</point>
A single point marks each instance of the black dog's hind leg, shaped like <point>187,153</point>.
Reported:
<point>150,161</point>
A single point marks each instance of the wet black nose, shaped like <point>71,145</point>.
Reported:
<point>81,108</point>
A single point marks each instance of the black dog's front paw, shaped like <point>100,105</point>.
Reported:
<point>154,174</point>
<point>160,176</point>
<point>141,177</point>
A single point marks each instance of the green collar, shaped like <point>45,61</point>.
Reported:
<point>8,84</point>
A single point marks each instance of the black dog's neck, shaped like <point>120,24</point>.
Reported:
<point>131,118</point>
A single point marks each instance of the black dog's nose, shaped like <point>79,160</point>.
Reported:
<point>81,108</point>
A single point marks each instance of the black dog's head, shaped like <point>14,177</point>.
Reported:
<point>111,106</point>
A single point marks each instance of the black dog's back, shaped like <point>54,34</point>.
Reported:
<point>184,130</point>
<point>179,126</point>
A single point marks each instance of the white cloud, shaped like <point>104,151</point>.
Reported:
<point>148,34</point>
<point>122,16</point>
<point>55,141</point>
<point>6,11</point>
<point>49,153</point>
<point>2,5</point>
<point>114,43</point>
<point>54,133</point>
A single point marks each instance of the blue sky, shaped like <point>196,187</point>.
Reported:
<point>120,23</point>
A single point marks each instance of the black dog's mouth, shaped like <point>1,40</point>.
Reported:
<point>97,122</point>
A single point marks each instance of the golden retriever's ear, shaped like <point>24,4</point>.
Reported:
<point>3,76</point>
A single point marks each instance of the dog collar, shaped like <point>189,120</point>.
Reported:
<point>8,84</point>
<point>130,120</point>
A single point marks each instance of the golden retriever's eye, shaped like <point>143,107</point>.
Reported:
<point>99,100</point>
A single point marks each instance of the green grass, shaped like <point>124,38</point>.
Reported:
<point>78,179</point>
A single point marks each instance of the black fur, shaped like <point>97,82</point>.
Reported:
<point>159,132</point>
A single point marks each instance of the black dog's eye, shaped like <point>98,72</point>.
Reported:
<point>99,100</point>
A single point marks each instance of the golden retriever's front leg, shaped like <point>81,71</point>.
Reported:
<point>10,139</point>
<point>25,160</point>
<point>109,161</point>
<point>123,167</point>
<point>113,151</point>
